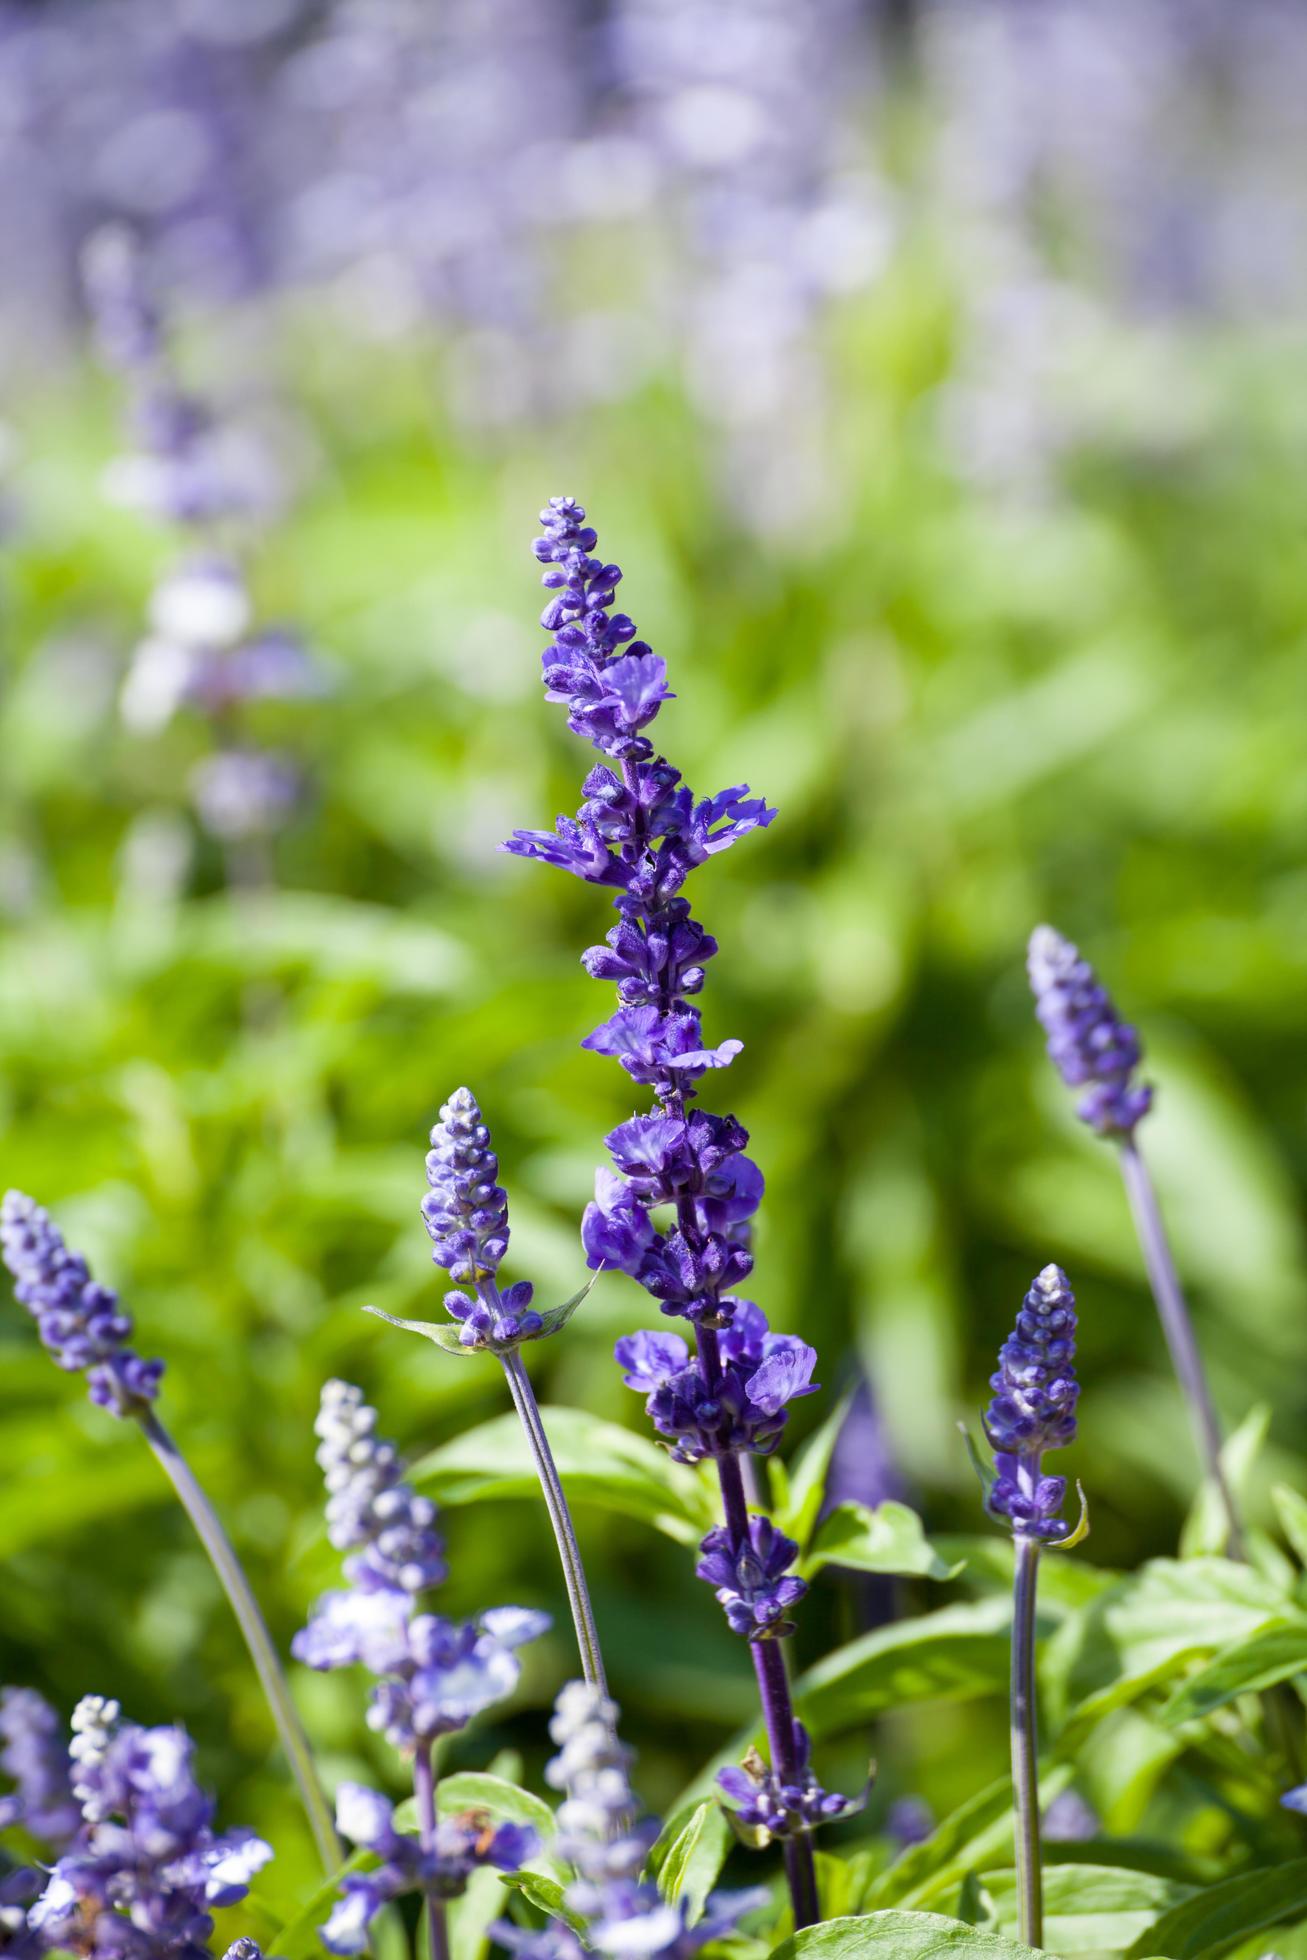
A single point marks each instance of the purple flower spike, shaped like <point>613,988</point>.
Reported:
<point>466,1210</point>
<point>81,1323</point>
<point>35,1756</point>
<point>1087,1040</point>
<point>145,1871</point>
<point>1034,1407</point>
<point>775,1807</point>
<point>755,1586</point>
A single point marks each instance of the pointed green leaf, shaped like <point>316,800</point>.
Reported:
<point>1081,1531</point>
<point>898,1936</point>
<point>299,1934</point>
<point>599,1462</point>
<point>977,1832</point>
<point>688,1867</point>
<point>800,1497</point>
<point>954,1654</point>
<point>1206,1528</point>
<point>1220,1916</point>
<point>446,1334</point>
<point>984,1471</point>
<point>1149,1626</point>
<point>1272,1654</point>
<point>1090,1908</point>
<point>546,1893</point>
<point>889,1539</point>
<point>1292,1510</point>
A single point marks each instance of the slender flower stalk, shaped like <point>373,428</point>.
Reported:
<point>84,1327</point>
<point>1033,1410</point>
<point>1025,1745</point>
<point>465,1212</point>
<point>424,1789</point>
<point>432,1676</point>
<point>1094,1050</point>
<point>639,834</point>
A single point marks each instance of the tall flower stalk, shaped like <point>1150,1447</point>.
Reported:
<point>639,834</point>
<point>83,1326</point>
<point>432,1675</point>
<point>1094,1050</point>
<point>465,1212</point>
<point>1033,1410</point>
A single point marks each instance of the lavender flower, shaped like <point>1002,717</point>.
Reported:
<point>781,1807</point>
<point>145,1868</point>
<point>463,1843</point>
<point>433,1676</point>
<point>623,1917</point>
<point>1034,1407</point>
<point>35,1755</point>
<point>81,1323</point>
<point>1087,1040</point>
<point>639,833</point>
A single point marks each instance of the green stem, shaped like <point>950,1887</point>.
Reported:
<point>231,1573</point>
<point>424,1788</point>
<point>1025,1744</point>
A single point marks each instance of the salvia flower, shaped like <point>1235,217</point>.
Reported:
<point>463,1843</point>
<point>1087,1039</point>
<point>466,1215</point>
<point>81,1323</point>
<point>1034,1407</point>
<point>639,833</point>
<point>35,1756</point>
<point>146,1869</point>
<point>745,1409</point>
<point>754,1584</point>
<point>596,1835</point>
<point>773,1807</point>
<point>434,1675</point>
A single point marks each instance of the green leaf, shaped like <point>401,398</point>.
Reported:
<point>1205,1529</point>
<point>1090,1908</point>
<point>1149,1626</point>
<point>898,1936</point>
<point>984,1471</point>
<point>954,1654</point>
<point>842,1880</point>
<point>801,1488</point>
<point>889,1539</point>
<point>1272,1654</point>
<point>446,1333</point>
<point>600,1463</point>
<point>546,1893</point>
<point>688,1867</point>
<point>1292,1510</point>
<point>1217,1918</point>
<point>977,1831</point>
<point>298,1936</point>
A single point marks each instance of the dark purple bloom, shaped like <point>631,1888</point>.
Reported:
<point>1034,1407</point>
<point>661,1049</point>
<point>81,1323</point>
<point>744,1410</point>
<point>463,1843</point>
<point>1087,1039</point>
<point>754,1585</point>
<point>781,1809</point>
<point>35,1756</point>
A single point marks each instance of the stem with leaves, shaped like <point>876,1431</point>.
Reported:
<point>249,1618</point>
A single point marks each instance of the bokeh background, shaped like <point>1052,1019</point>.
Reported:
<point>936,373</point>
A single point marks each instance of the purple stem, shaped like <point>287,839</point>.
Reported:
<point>424,1789</point>
<point>768,1665</point>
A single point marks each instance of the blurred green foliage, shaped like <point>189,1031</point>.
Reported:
<point>975,710</point>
